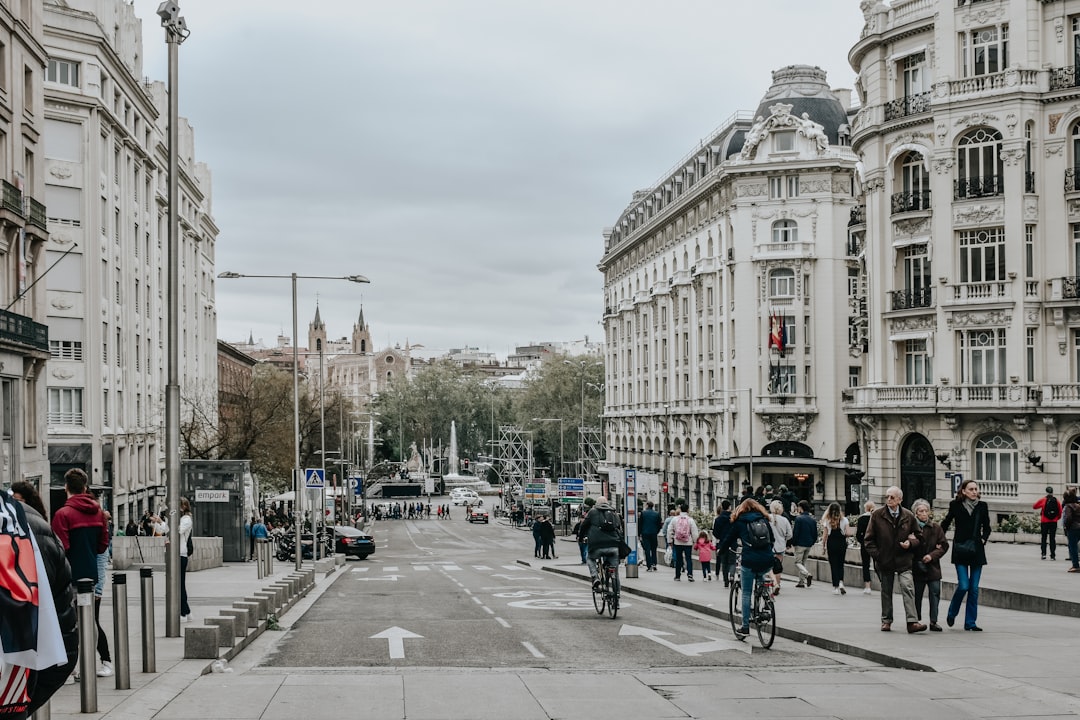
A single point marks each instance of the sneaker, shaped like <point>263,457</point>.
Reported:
<point>743,632</point>
<point>801,585</point>
<point>185,618</point>
<point>843,590</point>
<point>866,591</point>
<point>809,580</point>
<point>105,670</point>
<point>596,585</point>
<point>836,591</point>
<point>689,578</point>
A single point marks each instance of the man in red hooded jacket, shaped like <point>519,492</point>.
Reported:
<point>80,527</point>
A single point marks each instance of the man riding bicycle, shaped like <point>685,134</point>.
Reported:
<point>757,554</point>
<point>604,529</point>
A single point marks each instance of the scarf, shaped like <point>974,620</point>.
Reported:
<point>969,505</point>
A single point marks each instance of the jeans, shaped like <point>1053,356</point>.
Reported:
<point>865,557</point>
<point>583,548</point>
<point>907,592</point>
<point>1049,530</point>
<point>967,583</point>
<point>1073,539</point>
<point>184,608</point>
<point>609,555</point>
<point>725,565</point>
<point>706,567</point>
<point>748,577</point>
<point>682,559</point>
<point>934,600</point>
<point>648,545</point>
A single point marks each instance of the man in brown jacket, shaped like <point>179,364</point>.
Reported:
<point>891,537</point>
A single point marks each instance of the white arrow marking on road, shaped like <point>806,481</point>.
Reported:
<point>516,577</point>
<point>392,578</point>
<point>395,638</point>
<point>690,649</point>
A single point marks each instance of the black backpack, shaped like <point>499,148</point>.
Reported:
<point>1052,508</point>
<point>761,534</point>
<point>609,524</point>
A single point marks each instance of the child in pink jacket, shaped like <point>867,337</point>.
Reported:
<point>704,550</point>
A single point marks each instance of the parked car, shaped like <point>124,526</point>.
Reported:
<point>350,541</point>
<point>477,513</point>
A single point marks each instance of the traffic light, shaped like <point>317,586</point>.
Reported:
<point>465,463</point>
<point>500,493</point>
<point>663,488</point>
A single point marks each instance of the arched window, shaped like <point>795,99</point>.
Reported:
<point>784,231</point>
<point>914,184</point>
<point>979,164</point>
<point>997,465</point>
<point>782,283</point>
<point>1074,462</point>
<point>1072,175</point>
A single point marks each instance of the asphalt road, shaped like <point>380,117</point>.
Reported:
<point>449,594</point>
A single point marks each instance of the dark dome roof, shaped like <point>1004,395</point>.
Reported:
<point>804,87</point>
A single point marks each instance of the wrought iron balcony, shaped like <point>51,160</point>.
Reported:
<point>909,299</point>
<point>907,105</point>
<point>910,201</point>
<point>1072,179</point>
<point>1070,287</point>
<point>12,198</point>
<point>858,216</point>
<point>1063,78</point>
<point>977,187</point>
<point>37,214</point>
<point>24,331</point>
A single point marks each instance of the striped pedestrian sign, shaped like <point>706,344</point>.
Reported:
<point>314,478</point>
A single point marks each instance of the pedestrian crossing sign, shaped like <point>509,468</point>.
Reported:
<point>314,478</point>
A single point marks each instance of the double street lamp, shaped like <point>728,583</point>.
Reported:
<point>297,484</point>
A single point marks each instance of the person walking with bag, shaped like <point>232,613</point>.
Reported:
<point>186,547</point>
<point>972,519</point>
<point>1070,520</point>
<point>1049,513</point>
<point>681,533</point>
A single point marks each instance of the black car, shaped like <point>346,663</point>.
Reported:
<point>350,541</point>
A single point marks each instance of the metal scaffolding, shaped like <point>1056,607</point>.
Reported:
<point>515,454</point>
<point>590,450</point>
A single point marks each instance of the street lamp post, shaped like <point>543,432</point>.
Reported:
<point>297,484</point>
<point>176,32</point>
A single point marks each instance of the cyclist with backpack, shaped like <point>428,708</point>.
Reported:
<point>681,533</point>
<point>750,528</point>
<point>603,528</point>
<point>1048,521</point>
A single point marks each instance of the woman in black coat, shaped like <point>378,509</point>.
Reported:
<point>972,518</point>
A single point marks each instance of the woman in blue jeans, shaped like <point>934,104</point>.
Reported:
<point>972,519</point>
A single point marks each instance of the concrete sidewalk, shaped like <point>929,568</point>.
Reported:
<point>209,591</point>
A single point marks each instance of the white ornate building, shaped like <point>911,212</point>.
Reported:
<point>24,339</point>
<point>105,185</point>
<point>969,230</point>
<point>731,316</point>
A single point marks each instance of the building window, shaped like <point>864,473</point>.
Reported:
<point>917,270</point>
<point>776,188</point>
<point>1029,251</point>
<point>66,349</point>
<point>997,465</point>
<point>918,366</point>
<point>1029,354</point>
<point>1074,461</point>
<point>783,380</point>
<point>914,183</point>
<point>914,74</point>
<point>982,356</point>
<point>786,186</point>
<point>982,255</point>
<point>979,164</point>
<point>1076,354</point>
<point>65,406</point>
<point>784,231</point>
<point>854,376</point>
<point>782,283</point>
<point>853,282</point>
<point>64,72</point>
<point>784,141</point>
<point>985,50</point>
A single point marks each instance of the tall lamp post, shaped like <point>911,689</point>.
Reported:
<point>176,32</point>
<point>297,483</point>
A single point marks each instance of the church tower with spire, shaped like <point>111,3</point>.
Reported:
<point>317,333</point>
<point>361,336</point>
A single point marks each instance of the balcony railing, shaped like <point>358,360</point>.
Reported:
<point>1011,80</point>
<point>1072,179</point>
<point>909,299</point>
<point>12,198</point>
<point>858,216</point>
<point>24,331</point>
<point>1070,287</point>
<point>1063,78</point>
<point>976,187</point>
<point>910,201</point>
<point>999,488</point>
<point>37,214</point>
<point>907,105</point>
<point>981,291</point>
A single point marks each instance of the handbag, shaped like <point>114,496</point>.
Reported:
<point>624,550</point>
<point>966,552</point>
<point>667,555</point>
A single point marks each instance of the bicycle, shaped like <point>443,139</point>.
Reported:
<point>762,613</point>
<point>606,596</point>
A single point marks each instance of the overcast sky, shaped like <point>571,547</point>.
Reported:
<point>465,155</point>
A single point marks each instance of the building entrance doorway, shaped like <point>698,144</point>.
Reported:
<point>917,470</point>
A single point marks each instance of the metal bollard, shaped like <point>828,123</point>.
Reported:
<point>87,645</point>
<point>260,561</point>
<point>42,713</point>
<point>120,631</point>
<point>269,570</point>
<point>149,658</point>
